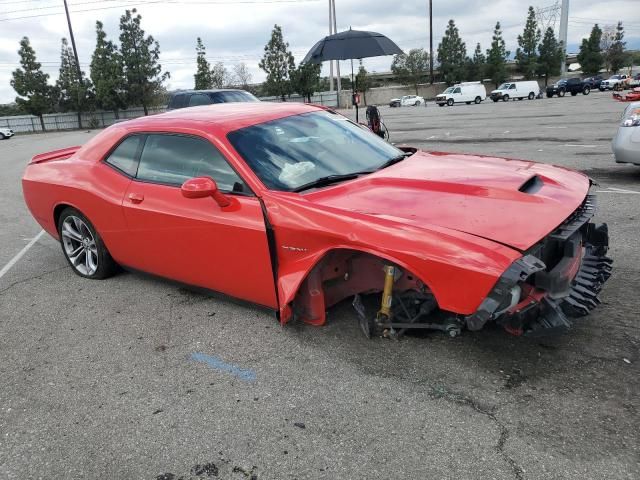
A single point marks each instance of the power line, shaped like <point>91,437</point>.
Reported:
<point>134,3</point>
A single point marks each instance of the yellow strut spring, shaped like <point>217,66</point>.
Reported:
<point>389,278</point>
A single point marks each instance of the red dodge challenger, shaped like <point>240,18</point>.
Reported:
<point>297,208</point>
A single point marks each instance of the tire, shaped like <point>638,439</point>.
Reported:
<point>78,236</point>
<point>477,100</point>
<point>441,104</point>
<point>417,104</point>
<point>586,90</point>
<point>531,96</point>
<point>468,103</point>
<point>561,93</point>
<point>505,98</point>
<point>573,94</point>
<point>2,137</point>
<point>495,100</point>
<point>549,95</point>
<point>450,102</point>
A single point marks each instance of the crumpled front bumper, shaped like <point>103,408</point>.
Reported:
<point>532,299</point>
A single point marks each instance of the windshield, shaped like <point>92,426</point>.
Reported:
<point>448,90</point>
<point>504,86</point>
<point>293,151</point>
<point>615,77</point>
<point>233,96</point>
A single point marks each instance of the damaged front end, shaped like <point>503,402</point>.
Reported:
<point>558,278</point>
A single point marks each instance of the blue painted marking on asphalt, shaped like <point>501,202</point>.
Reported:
<point>245,374</point>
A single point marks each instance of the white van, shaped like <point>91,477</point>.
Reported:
<point>466,92</point>
<point>514,90</point>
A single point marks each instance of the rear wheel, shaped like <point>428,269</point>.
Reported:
<point>531,96</point>
<point>573,94</point>
<point>586,90</point>
<point>441,104</point>
<point>549,95</point>
<point>505,98</point>
<point>450,102</point>
<point>82,246</point>
<point>417,104</point>
<point>2,137</point>
<point>477,100</point>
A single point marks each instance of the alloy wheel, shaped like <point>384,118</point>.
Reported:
<point>79,245</point>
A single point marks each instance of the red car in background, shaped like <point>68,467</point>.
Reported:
<point>297,208</point>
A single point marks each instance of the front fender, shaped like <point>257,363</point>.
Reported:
<point>459,269</point>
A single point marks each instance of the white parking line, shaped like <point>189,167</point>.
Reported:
<point>618,190</point>
<point>578,145</point>
<point>20,254</point>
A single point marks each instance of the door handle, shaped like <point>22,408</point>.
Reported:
<point>136,197</point>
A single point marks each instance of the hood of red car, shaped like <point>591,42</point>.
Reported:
<point>513,202</point>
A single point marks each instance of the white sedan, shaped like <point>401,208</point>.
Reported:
<point>407,101</point>
<point>5,133</point>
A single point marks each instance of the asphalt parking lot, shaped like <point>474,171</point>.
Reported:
<point>136,377</point>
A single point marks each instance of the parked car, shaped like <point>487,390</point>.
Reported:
<point>297,208</point>
<point>634,81</point>
<point>513,90</point>
<point>626,143</point>
<point>407,101</point>
<point>5,133</point>
<point>193,98</point>
<point>570,85</point>
<point>466,92</point>
<point>593,82</point>
<point>614,82</point>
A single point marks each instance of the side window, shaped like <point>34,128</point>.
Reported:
<point>178,100</point>
<point>512,86</point>
<point>199,99</point>
<point>125,156</point>
<point>457,90</point>
<point>172,159</point>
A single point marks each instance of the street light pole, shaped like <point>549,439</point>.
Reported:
<point>564,21</point>
<point>330,32</point>
<point>431,41</point>
<point>75,54</point>
<point>335,30</point>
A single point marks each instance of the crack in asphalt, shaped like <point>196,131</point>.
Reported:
<point>32,277</point>
<point>461,399</point>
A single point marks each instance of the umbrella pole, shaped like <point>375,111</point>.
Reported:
<point>353,91</point>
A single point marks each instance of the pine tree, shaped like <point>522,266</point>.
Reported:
<point>305,79</point>
<point>202,77</point>
<point>590,56</point>
<point>497,58</point>
<point>74,94</point>
<point>550,57</point>
<point>140,55</point>
<point>526,53</point>
<point>30,83</point>
<point>452,55</point>
<point>617,55</point>
<point>476,65</point>
<point>363,82</point>
<point>107,74</point>
<point>277,63</point>
<point>411,68</point>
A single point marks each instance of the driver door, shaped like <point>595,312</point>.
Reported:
<point>196,241</point>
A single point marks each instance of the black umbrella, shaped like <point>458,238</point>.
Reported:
<point>349,45</point>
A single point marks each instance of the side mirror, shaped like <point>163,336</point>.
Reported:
<point>201,187</point>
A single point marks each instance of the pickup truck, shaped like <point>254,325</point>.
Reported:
<point>614,82</point>
<point>573,86</point>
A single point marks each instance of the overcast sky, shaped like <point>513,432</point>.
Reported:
<point>237,31</point>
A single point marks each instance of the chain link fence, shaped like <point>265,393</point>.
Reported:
<point>100,119</point>
<point>69,121</point>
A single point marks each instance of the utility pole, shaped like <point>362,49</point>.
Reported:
<point>75,54</point>
<point>335,30</point>
<point>431,41</point>
<point>330,32</point>
<point>564,20</point>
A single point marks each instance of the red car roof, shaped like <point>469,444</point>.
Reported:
<point>225,116</point>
